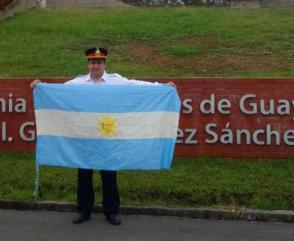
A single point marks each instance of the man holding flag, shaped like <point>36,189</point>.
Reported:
<point>85,194</point>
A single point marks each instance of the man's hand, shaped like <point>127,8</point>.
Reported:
<point>34,83</point>
<point>172,84</point>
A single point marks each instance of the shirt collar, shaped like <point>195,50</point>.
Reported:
<point>103,77</point>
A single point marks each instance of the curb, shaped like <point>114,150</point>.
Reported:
<point>202,213</point>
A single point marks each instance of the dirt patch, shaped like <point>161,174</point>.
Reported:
<point>209,57</point>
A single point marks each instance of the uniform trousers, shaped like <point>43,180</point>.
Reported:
<point>85,192</point>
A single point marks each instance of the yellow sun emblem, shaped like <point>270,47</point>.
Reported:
<point>107,126</point>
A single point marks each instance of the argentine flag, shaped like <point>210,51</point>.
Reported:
<point>106,127</point>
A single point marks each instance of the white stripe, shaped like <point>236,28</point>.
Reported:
<point>135,125</point>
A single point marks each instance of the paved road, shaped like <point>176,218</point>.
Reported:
<point>55,226</point>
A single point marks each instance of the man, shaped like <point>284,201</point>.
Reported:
<point>85,194</point>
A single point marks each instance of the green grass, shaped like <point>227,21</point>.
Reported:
<point>150,42</point>
<point>264,184</point>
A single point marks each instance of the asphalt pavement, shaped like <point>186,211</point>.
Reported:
<point>54,226</point>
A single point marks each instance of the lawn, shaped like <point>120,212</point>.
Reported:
<point>150,42</point>
<point>264,184</point>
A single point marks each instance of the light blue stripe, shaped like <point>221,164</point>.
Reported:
<point>96,154</point>
<point>105,98</point>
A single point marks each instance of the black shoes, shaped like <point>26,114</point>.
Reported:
<point>113,219</point>
<point>80,218</point>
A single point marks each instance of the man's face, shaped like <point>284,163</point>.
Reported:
<point>96,66</point>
